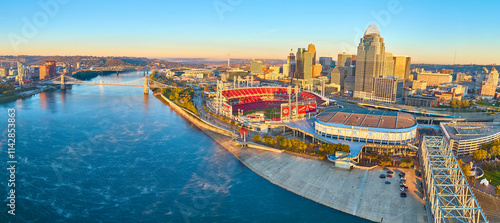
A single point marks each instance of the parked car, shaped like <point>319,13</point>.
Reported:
<point>382,176</point>
<point>402,174</point>
<point>402,181</point>
<point>388,175</point>
<point>387,182</point>
<point>402,184</point>
<point>390,172</point>
<point>403,188</point>
<point>403,194</point>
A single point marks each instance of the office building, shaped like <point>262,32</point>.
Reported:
<point>308,65</point>
<point>292,62</point>
<point>370,62</point>
<point>299,68</point>
<point>326,63</point>
<point>344,59</point>
<point>256,67</point>
<point>465,138</point>
<point>312,49</point>
<point>344,77</point>
<point>402,67</point>
<point>434,79</point>
<point>389,64</point>
<point>21,70</point>
<point>48,70</point>
<point>422,101</point>
<point>4,71</point>
<point>388,89</point>
<point>317,68</point>
<point>286,69</point>
<point>489,86</point>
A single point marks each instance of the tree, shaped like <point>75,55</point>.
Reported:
<point>406,163</point>
<point>465,168</point>
<point>497,190</point>
<point>453,103</point>
<point>479,154</point>
<point>494,151</point>
<point>256,138</point>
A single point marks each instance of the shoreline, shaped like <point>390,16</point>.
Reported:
<point>313,179</point>
<point>27,94</point>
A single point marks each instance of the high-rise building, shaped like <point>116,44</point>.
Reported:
<point>326,63</point>
<point>402,67</point>
<point>388,89</point>
<point>299,68</point>
<point>312,49</point>
<point>286,69</point>
<point>308,65</point>
<point>48,70</point>
<point>389,64</point>
<point>344,77</point>
<point>369,62</point>
<point>489,86</point>
<point>21,70</point>
<point>344,59</point>
<point>292,62</point>
<point>316,71</point>
<point>4,71</point>
<point>256,67</point>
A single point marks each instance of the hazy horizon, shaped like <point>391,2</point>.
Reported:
<point>427,31</point>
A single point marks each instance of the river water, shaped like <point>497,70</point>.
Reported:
<point>112,154</point>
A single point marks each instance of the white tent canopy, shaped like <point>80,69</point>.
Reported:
<point>484,182</point>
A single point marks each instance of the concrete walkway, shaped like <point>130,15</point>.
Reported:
<point>358,192</point>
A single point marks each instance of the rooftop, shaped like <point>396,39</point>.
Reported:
<point>368,118</point>
<point>465,131</point>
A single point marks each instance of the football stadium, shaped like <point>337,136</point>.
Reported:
<point>370,126</point>
<point>275,103</point>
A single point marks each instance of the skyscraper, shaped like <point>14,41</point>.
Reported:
<point>402,67</point>
<point>308,65</point>
<point>291,61</point>
<point>48,70</point>
<point>344,59</point>
<point>488,87</point>
<point>389,65</point>
<point>370,62</point>
<point>256,67</point>
<point>326,63</point>
<point>299,68</point>
<point>312,49</point>
<point>388,89</point>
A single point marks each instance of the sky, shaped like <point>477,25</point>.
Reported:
<point>443,32</point>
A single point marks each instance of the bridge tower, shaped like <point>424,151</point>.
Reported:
<point>63,84</point>
<point>146,85</point>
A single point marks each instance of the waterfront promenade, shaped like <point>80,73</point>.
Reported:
<point>358,192</point>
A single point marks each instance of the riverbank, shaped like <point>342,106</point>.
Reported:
<point>23,95</point>
<point>357,192</point>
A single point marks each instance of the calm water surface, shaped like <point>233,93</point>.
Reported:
<point>111,154</point>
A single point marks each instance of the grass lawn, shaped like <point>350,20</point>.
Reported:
<point>493,177</point>
<point>489,104</point>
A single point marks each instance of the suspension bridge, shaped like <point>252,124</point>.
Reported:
<point>65,80</point>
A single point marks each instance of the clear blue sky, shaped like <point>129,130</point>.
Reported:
<point>428,31</point>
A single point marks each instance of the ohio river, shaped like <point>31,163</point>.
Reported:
<point>112,154</point>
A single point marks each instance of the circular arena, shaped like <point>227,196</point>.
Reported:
<point>277,103</point>
<point>370,126</point>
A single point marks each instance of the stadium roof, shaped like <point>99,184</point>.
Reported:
<point>368,118</point>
